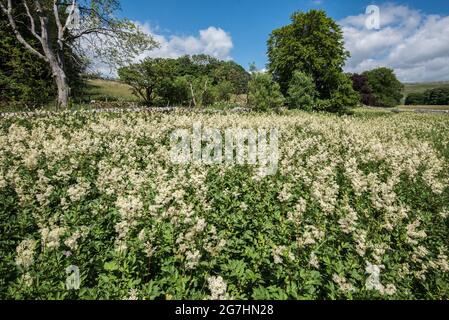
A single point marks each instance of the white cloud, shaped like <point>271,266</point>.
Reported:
<point>415,44</point>
<point>212,41</point>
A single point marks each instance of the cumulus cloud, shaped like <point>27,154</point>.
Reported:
<point>212,41</point>
<point>413,43</point>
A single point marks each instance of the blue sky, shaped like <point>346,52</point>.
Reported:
<point>241,29</point>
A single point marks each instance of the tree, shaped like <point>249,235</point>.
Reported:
<point>437,96</point>
<point>301,92</point>
<point>313,44</point>
<point>361,85</point>
<point>416,98</point>
<point>387,89</point>
<point>205,78</point>
<point>149,78</point>
<point>77,22</point>
<point>233,73</point>
<point>263,93</point>
<point>344,96</point>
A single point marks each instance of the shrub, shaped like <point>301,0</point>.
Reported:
<point>416,98</point>
<point>344,96</point>
<point>361,85</point>
<point>387,89</point>
<point>264,94</point>
<point>437,96</point>
<point>302,92</point>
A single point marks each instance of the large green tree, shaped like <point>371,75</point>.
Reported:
<point>311,43</point>
<point>386,88</point>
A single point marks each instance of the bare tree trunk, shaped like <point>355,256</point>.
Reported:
<point>63,87</point>
<point>193,95</point>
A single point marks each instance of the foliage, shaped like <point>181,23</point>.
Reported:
<point>437,96</point>
<point>355,211</point>
<point>264,94</point>
<point>301,92</point>
<point>28,80</point>
<point>72,26</point>
<point>416,98</point>
<point>344,96</point>
<point>361,85</point>
<point>195,80</point>
<point>313,44</point>
<point>387,89</point>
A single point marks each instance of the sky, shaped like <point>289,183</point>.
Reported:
<point>413,38</point>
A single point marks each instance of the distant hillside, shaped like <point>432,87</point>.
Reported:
<point>421,87</point>
<point>100,89</point>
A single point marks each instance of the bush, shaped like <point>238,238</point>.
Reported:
<point>361,85</point>
<point>344,96</point>
<point>301,92</point>
<point>264,94</point>
<point>387,89</point>
<point>437,96</point>
<point>416,98</point>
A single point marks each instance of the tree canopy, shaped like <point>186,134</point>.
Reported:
<point>386,88</point>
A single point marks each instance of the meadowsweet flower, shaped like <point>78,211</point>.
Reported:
<point>133,294</point>
<point>217,287</point>
<point>25,253</point>
<point>192,258</point>
<point>72,241</point>
<point>343,283</point>
<point>78,191</point>
<point>50,237</point>
<point>27,279</point>
<point>313,261</point>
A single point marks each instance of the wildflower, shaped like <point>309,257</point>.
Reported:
<point>193,258</point>
<point>343,283</point>
<point>313,261</point>
<point>25,253</point>
<point>133,294</point>
<point>50,237</point>
<point>217,287</point>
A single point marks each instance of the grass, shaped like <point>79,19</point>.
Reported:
<point>421,87</point>
<point>111,90</point>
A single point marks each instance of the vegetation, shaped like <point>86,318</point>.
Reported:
<point>435,96</point>
<point>313,44</point>
<point>60,26</point>
<point>358,209</point>
<point>264,94</point>
<point>195,81</point>
<point>386,88</point>
<point>302,93</point>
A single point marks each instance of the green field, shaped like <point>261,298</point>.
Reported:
<point>421,87</point>
<point>98,89</point>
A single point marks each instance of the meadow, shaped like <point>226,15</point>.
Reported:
<point>358,209</point>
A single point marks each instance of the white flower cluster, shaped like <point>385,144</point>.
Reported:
<point>25,253</point>
<point>217,287</point>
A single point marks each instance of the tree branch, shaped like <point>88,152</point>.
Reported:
<point>33,24</point>
<point>12,23</point>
